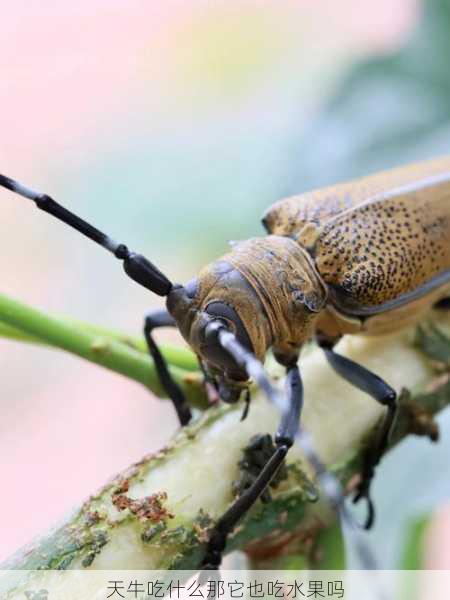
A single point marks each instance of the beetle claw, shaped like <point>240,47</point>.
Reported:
<point>364,493</point>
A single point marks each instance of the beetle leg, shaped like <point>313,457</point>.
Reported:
<point>284,439</point>
<point>162,318</point>
<point>383,393</point>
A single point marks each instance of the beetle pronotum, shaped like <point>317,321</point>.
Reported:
<point>367,257</point>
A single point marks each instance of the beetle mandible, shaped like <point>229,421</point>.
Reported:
<point>363,257</point>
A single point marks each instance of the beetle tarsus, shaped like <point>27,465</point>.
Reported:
<point>363,493</point>
<point>370,518</point>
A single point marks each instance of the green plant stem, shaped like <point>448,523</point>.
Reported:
<point>12,333</point>
<point>175,355</point>
<point>192,476</point>
<point>112,350</point>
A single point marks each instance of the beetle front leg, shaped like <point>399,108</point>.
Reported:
<point>162,318</point>
<point>284,439</point>
<point>383,393</point>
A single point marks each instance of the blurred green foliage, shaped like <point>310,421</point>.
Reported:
<point>413,551</point>
<point>211,177</point>
<point>331,550</point>
<point>387,110</point>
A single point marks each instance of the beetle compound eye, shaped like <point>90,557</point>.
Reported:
<point>230,316</point>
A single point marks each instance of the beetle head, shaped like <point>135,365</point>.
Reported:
<point>265,292</point>
<point>220,297</point>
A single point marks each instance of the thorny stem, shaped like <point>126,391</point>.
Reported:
<point>117,352</point>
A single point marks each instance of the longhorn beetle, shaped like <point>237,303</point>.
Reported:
<point>369,256</point>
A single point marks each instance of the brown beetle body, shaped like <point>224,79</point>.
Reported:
<point>381,244</point>
<point>368,256</point>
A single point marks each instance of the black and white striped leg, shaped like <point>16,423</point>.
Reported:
<point>162,318</point>
<point>284,439</point>
<point>383,393</point>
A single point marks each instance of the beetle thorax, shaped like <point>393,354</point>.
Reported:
<point>284,278</point>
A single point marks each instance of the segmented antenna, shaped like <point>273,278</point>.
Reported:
<point>136,266</point>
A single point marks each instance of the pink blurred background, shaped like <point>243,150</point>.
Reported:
<point>102,104</point>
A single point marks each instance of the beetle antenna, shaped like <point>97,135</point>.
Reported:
<point>252,365</point>
<point>136,266</point>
